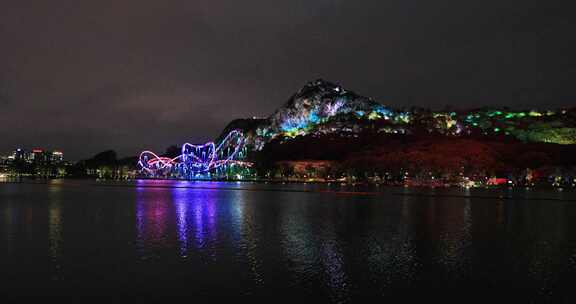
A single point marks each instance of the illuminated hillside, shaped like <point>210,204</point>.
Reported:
<point>325,108</point>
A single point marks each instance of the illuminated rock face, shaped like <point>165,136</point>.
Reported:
<point>319,107</point>
<point>318,102</point>
<point>323,107</point>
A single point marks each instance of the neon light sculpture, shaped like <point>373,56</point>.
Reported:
<point>197,160</point>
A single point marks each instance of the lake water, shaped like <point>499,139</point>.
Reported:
<point>154,239</point>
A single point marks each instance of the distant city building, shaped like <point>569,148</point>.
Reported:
<point>57,157</point>
<point>4,163</point>
<point>21,155</point>
<point>36,156</point>
<point>35,162</point>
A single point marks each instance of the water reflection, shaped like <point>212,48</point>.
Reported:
<point>199,233</point>
<point>297,241</point>
<point>237,207</point>
<point>204,208</point>
<point>313,247</point>
<point>187,218</point>
<point>152,210</point>
<point>55,232</point>
<point>447,228</point>
<point>333,264</point>
<point>246,233</point>
<point>8,212</point>
<point>391,252</point>
<point>180,200</point>
<point>339,245</point>
<point>545,252</point>
<point>455,237</point>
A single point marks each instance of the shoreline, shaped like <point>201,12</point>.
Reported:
<point>298,182</point>
<point>393,189</point>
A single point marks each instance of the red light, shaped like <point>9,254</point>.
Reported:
<point>497,181</point>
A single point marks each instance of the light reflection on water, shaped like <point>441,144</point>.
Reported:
<point>204,226</point>
<point>55,224</point>
<point>8,227</point>
<point>152,210</point>
<point>246,234</point>
<point>256,239</point>
<point>182,221</point>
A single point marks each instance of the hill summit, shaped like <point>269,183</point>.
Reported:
<point>326,108</point>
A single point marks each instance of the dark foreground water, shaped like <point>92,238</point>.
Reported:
<point>151,240</point>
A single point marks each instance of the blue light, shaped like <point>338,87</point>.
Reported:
<point>196,160</point>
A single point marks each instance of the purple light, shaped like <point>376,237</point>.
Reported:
<point>195,159</point>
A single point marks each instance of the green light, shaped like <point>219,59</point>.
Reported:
<point>534,114</point>
<point>373,115</point>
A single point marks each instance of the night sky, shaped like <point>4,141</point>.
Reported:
<point>86,76</point>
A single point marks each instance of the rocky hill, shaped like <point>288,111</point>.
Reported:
<point>323,108</point>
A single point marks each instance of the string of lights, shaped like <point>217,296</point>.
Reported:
<point>196,160</point>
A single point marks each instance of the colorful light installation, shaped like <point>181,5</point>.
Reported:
<point>197,160</point>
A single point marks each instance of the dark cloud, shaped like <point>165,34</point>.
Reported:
<point>84,76</point>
